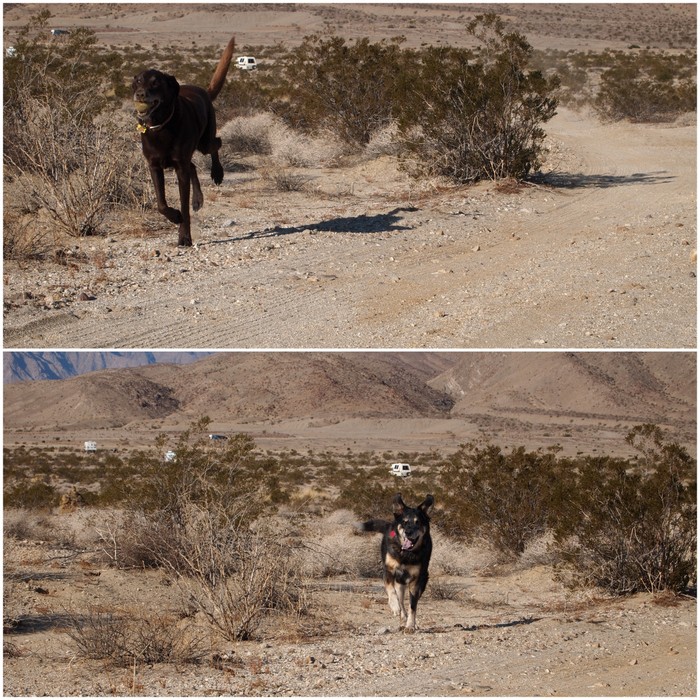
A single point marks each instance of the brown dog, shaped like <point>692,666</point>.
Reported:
<point>174,121</point>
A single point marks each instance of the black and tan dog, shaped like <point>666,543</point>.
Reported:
<point>406,550</point>
<point>174,121</point>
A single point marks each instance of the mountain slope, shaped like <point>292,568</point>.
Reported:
<point>232,387</point>
<point>647,386</point>
<point>23,366</point>
<point>240,386</point>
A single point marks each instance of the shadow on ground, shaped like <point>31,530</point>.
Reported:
<point>364,223</point>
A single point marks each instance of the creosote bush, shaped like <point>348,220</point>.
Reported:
<point>647,88</point>
<point>623,525</point>
<point>479,116</point>
<point>505,498</point>
<point>630,528</point>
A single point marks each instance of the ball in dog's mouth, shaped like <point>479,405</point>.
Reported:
<point>141,107</point>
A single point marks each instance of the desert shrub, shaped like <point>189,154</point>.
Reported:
<point>285,180</point>
<point>32,495</point>
<point>647,88</point>
<point>22,239</point>
<point>504,498</point>
<point>632,528</point>
<point>237,577</point>
<point>59,156</point>
<point>350,89</point>
<point>479,116</point>
<point>335,547</point>
<point>133,636</point>
<point>248,135</point>
<point>198,517</point>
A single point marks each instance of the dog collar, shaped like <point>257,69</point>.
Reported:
<point>143,128</point>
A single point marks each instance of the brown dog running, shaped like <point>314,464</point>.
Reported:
<point>174,121</point>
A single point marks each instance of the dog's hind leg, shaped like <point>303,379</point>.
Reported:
<point>217,170</point>
<point>197,196</point>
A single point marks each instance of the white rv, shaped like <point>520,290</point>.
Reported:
<point>400,469</point>
<point>90,446</point>
<point>246,63</point>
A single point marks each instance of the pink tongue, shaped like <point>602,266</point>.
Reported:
<point>407,544</point>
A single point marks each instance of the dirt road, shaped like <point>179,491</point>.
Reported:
<point>598,253</point>
<point>481,633</point>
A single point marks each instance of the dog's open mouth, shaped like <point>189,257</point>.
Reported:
<point>406,543</point>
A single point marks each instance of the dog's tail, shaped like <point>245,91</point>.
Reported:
<point>219,77</point>
<point>375,526</point>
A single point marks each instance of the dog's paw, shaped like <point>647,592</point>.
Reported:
<point>217,174</point>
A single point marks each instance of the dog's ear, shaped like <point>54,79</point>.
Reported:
<point>427,504</point>
<point>399,505</point>
<point>173,85</point>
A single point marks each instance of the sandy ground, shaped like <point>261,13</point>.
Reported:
<point>598,254</point>
<point>501,631</point>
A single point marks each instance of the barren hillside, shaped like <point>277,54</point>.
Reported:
<point>651,386</point>
<point>360,390</point>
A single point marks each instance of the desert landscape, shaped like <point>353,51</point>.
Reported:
<point>488,624</point>
<point>187,522</point>
<point>596,252</point>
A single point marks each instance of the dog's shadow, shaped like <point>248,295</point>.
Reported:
<point>498,625</point>
<point>363,223</point>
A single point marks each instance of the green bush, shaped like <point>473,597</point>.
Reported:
<point>479,116</point>
<point>630,528</point>
<point>506,498</point>
<point>34,495</point>
<point>350,89</point>
<point>647,88</point>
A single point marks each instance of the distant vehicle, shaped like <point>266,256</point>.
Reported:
<point>400,469</point>
<point>90,446</point>
<point>246,63</point>
<point>170,456</point>
<point>214,436</point>
<point>59,32</point>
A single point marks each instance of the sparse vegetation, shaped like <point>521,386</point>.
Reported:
<point>133,637</point>
<point>465,114</point>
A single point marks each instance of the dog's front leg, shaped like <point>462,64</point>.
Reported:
<point>401,594</point>
<point>393,598</point>
<point>183,181</point>
<point>158,178</point>
<point>416,591</point>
